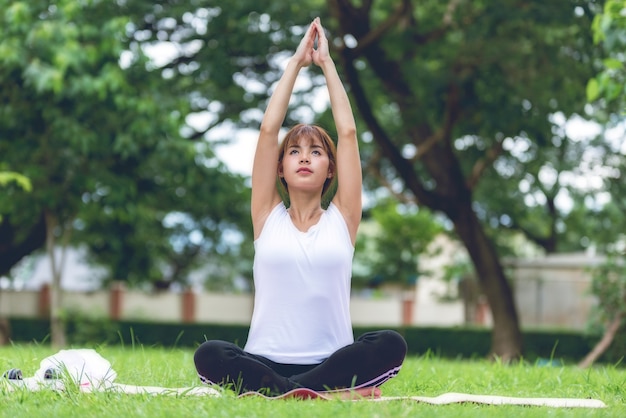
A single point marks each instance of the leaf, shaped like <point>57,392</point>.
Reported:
<point>613,64</point>
<point>24,182</point>
<point>593,90</point>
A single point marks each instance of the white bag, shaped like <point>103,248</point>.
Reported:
<point>84,366</point>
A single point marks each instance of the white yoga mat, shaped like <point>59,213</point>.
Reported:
<point>448,398</point>
<point>33,384</point>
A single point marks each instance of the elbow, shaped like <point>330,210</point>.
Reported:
<point>267,129</point>
<point>347,132</point>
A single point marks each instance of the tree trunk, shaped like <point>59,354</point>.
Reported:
<point>603,344</point>
<point>13,250</point>
<point>57,326</point>
<point>506,337</point>
<point>5,331</point>
<point>445,188</point>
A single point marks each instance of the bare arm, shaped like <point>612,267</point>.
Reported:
<point>264,169</point>
<point>350,180</point>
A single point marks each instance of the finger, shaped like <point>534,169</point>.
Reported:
<point>320,29</point>
<point>309,37</point>
<point>312,28</point>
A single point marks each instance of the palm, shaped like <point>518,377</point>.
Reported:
<point>304,52</point>
<point>320,54</point>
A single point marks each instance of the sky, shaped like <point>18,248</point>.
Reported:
<point>239,154</point>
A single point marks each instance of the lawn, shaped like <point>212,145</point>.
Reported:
<point>424,376</point>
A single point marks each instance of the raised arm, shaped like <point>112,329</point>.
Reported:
<point>264,169</point>
<point>349,176</point>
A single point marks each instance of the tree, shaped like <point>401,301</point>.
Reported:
<point>447,91</point>
<point>609,287</point>
<point>7,177</point>
<point>445,87</point>
<point>100,139</point>
<point>606,90</point>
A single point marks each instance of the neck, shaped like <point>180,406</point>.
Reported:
<point>305,208</point>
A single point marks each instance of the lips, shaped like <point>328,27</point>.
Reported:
<point>304,170</point>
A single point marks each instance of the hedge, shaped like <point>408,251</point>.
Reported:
<point>452,342</point>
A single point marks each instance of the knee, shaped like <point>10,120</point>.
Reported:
<point>395,345</point>
<point>390,344</point>
<point>211,354</point>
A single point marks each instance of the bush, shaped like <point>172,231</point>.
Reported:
<point>456,342</point>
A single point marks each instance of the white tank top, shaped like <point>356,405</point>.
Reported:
<point>302,289</point>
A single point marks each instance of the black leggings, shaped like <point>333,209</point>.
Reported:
<point>371,360</point>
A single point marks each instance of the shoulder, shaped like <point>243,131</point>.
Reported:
<point>333,210</point>
<point>334,213</point>
<point>351,218</point>
<point>279,211</point>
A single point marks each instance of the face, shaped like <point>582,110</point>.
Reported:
<point>305,164</point>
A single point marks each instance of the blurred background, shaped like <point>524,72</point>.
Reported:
<point>492,136</point>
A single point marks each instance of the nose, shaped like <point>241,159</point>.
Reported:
<point>304,158</point>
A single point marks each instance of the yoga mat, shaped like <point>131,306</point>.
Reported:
<point>93,373</point>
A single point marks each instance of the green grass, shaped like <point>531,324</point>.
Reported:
<point>426,376</point>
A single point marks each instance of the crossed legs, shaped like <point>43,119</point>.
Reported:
<point>370,361</point>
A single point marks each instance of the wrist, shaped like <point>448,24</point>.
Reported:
<point>327,64</point>
<point>298,62</point>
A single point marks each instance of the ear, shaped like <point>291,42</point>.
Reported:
<point>279,171</point>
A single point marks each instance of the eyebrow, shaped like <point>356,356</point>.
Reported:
<point>313,145</point>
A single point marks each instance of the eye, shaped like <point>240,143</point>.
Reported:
<point>293,151</point>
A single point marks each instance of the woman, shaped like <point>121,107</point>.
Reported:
<point>301,334</point>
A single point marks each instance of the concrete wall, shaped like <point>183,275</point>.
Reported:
<point>554,290</point>
<point>170,307</point>
<point>550,292</point>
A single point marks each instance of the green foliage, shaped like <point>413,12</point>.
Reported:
<point>403,234</point>
<point>22,181</point>
<point>609,31</point>
<point>608,285</point>
<point>446,342</point>
<point>99,136</point>
<point>85,330</point>
<point>7,177</point>
<point>533,155</point>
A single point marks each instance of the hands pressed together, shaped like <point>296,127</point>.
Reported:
<point>307,53</point>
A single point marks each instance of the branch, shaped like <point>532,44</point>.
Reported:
<point>391,152</point>
<point>548,244</point>
<point>450,118</point>
<point>481,165</point>
<point>373,168</point>
<point>603,344</point>
<point>428,144</point>
<point>447,17</point>
<point>374,35</point>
